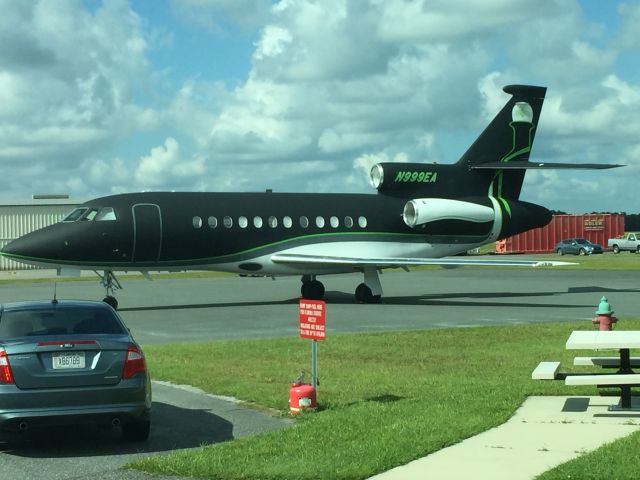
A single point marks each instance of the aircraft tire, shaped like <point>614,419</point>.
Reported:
<point>312,290</point>
<point>364,295</point>
<point>110,300</point>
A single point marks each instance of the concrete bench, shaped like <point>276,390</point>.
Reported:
<point>607,362</point>
<point>608,379</point>
<point>546,371</point>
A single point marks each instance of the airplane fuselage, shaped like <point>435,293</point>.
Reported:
<point>238,232</point>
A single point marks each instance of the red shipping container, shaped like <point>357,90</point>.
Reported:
<point>596,228</point>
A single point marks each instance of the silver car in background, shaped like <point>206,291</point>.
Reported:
<point>71,362</point>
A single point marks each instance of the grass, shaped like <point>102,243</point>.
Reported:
<point>616,460</point>
<point>385,399</point>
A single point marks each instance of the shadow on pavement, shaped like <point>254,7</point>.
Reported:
<point>171,428</point>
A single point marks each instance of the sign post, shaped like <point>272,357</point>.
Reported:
<point>312,315</point>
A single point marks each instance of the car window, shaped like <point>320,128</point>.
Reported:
<point>59,321</point>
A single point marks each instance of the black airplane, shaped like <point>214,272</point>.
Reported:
<point>420,214</point>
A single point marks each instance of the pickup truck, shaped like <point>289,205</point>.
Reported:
<point>630,242</point>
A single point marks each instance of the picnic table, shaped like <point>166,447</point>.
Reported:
<point>624,377</point>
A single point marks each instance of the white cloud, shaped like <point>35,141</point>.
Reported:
<point>332,87</point>
<point>154,168</point>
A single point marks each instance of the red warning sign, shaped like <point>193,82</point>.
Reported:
<point>312,314</point>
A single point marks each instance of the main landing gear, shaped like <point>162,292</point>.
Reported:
<point>311,289</point>
<point>110,284</point>
<point>370,291</point>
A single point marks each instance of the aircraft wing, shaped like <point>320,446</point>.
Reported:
<point>298,259</point>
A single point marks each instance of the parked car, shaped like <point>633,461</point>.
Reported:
<point>71,362</point>
<point>577,246</point>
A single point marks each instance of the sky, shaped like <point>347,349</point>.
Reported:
<point>112,96</point>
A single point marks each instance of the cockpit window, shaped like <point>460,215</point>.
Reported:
<point>90,215</point>
<point>105,214</point>
<point>75,215</point>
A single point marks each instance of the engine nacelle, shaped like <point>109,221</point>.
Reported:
<point>427,210</point>
<point>402,176</point>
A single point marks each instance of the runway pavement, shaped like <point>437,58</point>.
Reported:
<point>187,310</point>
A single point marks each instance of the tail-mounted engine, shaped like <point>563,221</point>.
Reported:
<point>427,210</point>
<point>402,176</point>
<point>443,216</point>
<point>473,216</point>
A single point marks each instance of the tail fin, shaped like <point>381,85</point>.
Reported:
<point>508,138</point>
<point>494,165</point>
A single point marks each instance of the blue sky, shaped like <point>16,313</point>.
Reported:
<point>110,96</point>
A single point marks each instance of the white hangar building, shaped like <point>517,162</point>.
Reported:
<point>18,218</point>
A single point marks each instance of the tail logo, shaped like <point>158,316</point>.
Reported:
<point>522,127</point>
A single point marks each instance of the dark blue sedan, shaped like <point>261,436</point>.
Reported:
<point>71,362</point>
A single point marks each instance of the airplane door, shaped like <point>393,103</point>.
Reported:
<point>147,232</point>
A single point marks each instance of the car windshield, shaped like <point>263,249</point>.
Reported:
<point>59,321</point>
<point>582,241</point>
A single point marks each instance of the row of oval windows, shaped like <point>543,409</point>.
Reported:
<point>287,222</point>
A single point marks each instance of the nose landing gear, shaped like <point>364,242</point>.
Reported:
<point>110,284</point>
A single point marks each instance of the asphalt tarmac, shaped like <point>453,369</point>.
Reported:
<point>188,310</point>
<point>218,308</point>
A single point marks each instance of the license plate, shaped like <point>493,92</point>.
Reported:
<point>64,360</point>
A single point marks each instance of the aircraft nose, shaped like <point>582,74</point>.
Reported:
<point>30,248</point>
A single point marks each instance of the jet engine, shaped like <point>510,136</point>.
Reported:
<point>402,176</point>
<point>427,210</point>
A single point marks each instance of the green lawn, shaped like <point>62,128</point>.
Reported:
<point>385,399</point>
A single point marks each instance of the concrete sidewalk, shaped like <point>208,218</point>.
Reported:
<point>543,433</point>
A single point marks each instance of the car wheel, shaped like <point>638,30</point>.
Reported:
<point>616,249</point>
<point>560,252</point>
<point>582,252</point>
<point>136,431</point>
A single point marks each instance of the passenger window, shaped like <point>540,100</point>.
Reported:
<point>243,222</point>
<point>319,222</point>
<point>197,222</point>
<point>287,222</point>
<point>257,222</point>
<point>227,222</point>
<point>348,222</point>
<point>106,214</point>
<point>75,215</point>
<point>272,222</point>
<point>362,221</point>
<point>334,222</point>
<point>212,222</point>
<point>304,222</point>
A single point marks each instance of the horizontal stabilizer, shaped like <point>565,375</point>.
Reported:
<point>299,259</point>
<point>516,165</point>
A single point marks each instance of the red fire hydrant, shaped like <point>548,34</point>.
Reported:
<point>604,316</point>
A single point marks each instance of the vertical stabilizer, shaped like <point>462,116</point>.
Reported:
<point>508,138</point>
